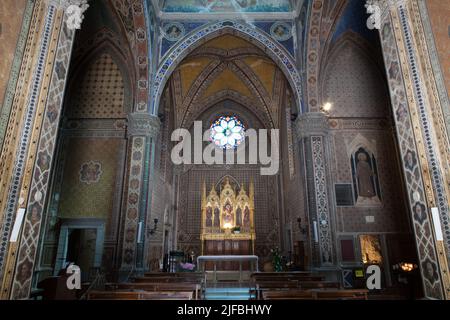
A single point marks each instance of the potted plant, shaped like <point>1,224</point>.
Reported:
<point>236,229</point>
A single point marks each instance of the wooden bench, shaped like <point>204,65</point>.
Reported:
<point>280,274</point>
<point>139,295</point>
<point>198,275</point>
<point>319,285</point>
<point>353,294</point>
<point>288,295</point>
<point>284,276</point>
<point>162,287</point>
<point>324,294</point>
<point>262,286</point>
<point>166,280</point>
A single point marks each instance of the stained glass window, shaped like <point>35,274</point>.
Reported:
<point>227,132</point>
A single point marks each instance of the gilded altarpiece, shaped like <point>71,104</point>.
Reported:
<point>228,221</point>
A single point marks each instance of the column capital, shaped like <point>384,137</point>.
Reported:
<point>143,124</point>
<point>311,123</point>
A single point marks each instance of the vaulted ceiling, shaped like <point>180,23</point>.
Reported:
<point>228,67</point>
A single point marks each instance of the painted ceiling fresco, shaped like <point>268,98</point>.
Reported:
<point>227,6</point>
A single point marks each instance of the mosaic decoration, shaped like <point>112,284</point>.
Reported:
<point>313,53</point>
<point>322,209</point>
<point>90,172</point>
<point>174,31</point>
<point>227,132</point>
<point>414,182</point>
<point>427,131</point>
<point>205,6</point>
<point>183,48</point>
<point>290,143</point>
<point>25,134</point>
<point>40,182</point>
<point>281,31</point>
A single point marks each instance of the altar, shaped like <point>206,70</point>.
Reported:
<point>228,224</point>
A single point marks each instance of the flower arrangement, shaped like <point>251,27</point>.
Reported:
<point>276,259</point>
<point>186,267</point>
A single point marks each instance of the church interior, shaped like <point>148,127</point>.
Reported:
<point>348,97</point>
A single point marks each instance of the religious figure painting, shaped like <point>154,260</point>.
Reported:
<point>281,31</point>
<point>246,221</point>
<point>365,178</point>
<point>217,217</point>
<point>238,217</point>
<point>228,219</point>
<point>174,31</point>
<point>209,217</point>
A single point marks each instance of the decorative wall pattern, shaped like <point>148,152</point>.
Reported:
<point>99,92</point>
<point>322,206</point>
<point>427,131</point>
<point>25,134</point>
<point>90,178</point>
<point>6,98</point>
<point>39,184</point>
<point>9,34</point>
<point>132,202</point>
<point>313,53</point>
<point>353,82</point>
<point>414,181</point>
<point>226,6</point>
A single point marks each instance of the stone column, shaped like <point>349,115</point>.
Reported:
<point>143,128</point>
<point>421,135</point>
<point>312,135</point>
<point>39,106</point>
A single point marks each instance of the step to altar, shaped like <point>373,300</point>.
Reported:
<point>228,276</point>
<point>228,293</point>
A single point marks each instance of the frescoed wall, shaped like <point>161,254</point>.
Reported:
<point>10,23</point>
<point>227,6</point>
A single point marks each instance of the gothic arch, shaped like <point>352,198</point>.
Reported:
<point>210,31</point>
<point>106,46</point>
<point>220,96</point>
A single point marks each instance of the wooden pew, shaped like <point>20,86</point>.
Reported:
<point>139,295</point>
<point>262,286</point>
<point>162,287</point>
<point>166,280</point>
<point>319,285</point>
<point>284,276</point>
<point>288,295</point>
<point>274,285</point>
<point>353,294</point>
<point>315,294</point>
<point>288,273</point>
<point>198,275</point>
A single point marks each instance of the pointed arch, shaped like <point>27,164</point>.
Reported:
<point>210,31</point>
